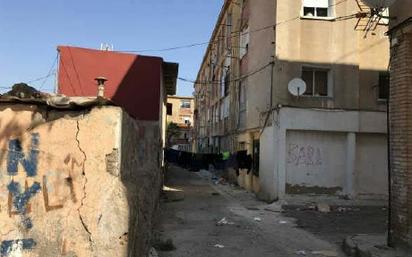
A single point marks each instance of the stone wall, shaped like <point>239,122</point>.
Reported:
<point>76,183</point>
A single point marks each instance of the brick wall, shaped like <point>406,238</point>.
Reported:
<point>400,111</point>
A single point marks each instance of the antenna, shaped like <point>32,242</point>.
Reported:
<point>371,14</point>
<point>379,4</point>
<point>106,47</point>
<point>297,87</point>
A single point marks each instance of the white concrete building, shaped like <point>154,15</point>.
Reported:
<point>329,140</point>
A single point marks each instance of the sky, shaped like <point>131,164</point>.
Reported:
<point>30,31</point>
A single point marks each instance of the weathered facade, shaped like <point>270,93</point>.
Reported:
<point>76,182</point>
<point>314,143</point>
<point>400,125</point>
<point>180,112</point>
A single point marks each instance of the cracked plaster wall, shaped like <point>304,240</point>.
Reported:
<point>84,182</point>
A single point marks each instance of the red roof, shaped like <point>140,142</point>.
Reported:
<point>134,81</point>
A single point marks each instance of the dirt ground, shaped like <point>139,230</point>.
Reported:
<point>341,222</point>
<point>190,227</point>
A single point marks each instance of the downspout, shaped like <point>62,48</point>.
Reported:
<point>272,64</point>
<point>269,111</point>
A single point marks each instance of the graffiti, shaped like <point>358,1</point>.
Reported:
<point>18,199</point>
<point>306,155</point>
<point>46,191</point>
<point>9,246</point>
<point>17,156</point>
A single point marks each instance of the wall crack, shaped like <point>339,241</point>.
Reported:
<point>84,187</point>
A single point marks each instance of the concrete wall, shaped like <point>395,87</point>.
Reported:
<point>259,55</point>
<point>324,152</point>
<point>74,183</point>
<point>315,162</point>
<point>334,45</point>
<point>371,177</point>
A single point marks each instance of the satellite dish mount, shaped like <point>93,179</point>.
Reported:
<point>297,87</point>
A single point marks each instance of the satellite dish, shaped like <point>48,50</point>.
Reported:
<point>378,4</point>
<point>297,87</point>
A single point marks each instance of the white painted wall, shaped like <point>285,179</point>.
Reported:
<point>315,158</point>
<point>371,173</point>
<point>268,186</point>
<point>347,149</point>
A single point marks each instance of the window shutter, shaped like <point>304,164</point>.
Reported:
<point>226,107</point>
<point>244,41</point>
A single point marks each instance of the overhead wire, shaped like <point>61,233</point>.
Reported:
<point>51,71</point>
<point>257,30</point>
<point>219,37</point>
<point>229,81</point>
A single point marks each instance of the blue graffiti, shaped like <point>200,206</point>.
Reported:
<point>20,199</point>
<point>17,156</point>
<point>7,246</point>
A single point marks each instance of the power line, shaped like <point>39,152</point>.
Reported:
<point>38,79</point>
<point>51,71</point>
<point>219,37</point>
<point>233,80</point>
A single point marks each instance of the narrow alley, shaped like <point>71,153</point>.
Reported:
<point>206,128</point>
<point>217,220</point>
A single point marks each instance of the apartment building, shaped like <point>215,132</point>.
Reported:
<point>329,140</point>
<point>180,112</point>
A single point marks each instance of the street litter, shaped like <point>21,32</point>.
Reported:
<point>327,253</point>
<point>257,219</point>
<point>217,181</point>
<point>283,222</point>
<point>323,207</point>
<point>301,252</point>
<point>224,221</point>
<point>219,246</point>
<point>343,209</point>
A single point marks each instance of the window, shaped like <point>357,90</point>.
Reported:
<point>226,107</point>
<point>229,31</point>
<point>217,109</point>
<point>244,42</point>
<point>317,81</point>
<point>222,110</point>
<point>222,82</point>
<point>317,8</point>
<point>169,108</point>
<point>185,104</point>
<point>256,156</point>
<point>383,85</point>
<point>227,82</point>
<point>186,119</point>
<point>242,105</point>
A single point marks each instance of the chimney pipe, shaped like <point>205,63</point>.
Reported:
<point>100,86</point>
